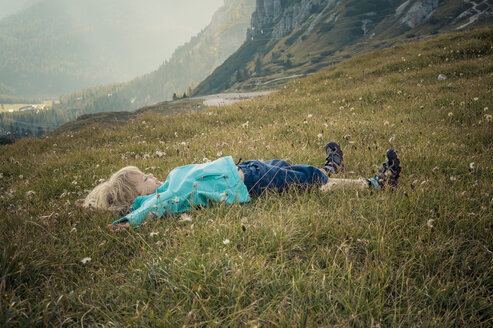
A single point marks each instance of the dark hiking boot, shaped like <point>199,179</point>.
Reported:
<point>389,172</point>
<point>333,161</point>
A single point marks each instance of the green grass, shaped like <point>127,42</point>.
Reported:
<point>344,259</point>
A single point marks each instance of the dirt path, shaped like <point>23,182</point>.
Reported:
<point>223,99</point>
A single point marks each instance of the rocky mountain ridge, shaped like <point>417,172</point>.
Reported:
<point>292,37</point>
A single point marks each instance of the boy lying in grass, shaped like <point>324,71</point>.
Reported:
<point>141,196</point>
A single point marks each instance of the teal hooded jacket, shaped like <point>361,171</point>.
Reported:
<point>189,186</point>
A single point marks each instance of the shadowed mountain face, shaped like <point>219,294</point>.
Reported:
<point>59,46</point>
<point>292,37</point>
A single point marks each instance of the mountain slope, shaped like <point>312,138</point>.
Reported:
<point>195,60</point>
<point>59,46</point>
<point>303,36</point>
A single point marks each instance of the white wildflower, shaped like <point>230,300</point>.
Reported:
<point>488,117</point>
<point>153,234</point>
<point>452,178</point>
<point>386,123</point>
<point>86,260</point>
<point>319,136</point>
<point>159,154</point>
<point>226,241</point>
<point>1,175</point>
<point>159,243</point>
<point>326,125</point>
<point>436,169</point>
<point>183,143</point>
<point>176,134</point>
<point>74,182</point>
<point>205,160</point>
<point>450,114</point>
<point>310,116</point>
<point>430,223</point>
<point>442,77</point>
<point>475,98</point>
<point>30,193</point>
<point>74,229</point>
<point>472,165</point>
<point>219,154</point>
<point>485,109</point>
<point>21,177</point>
<point>185,218</point>
<point>245,125</point>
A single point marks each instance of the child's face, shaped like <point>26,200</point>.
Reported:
<point>145,184</point>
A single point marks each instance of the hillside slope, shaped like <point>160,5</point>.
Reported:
<point>418,256</point>
<point>303,36</point>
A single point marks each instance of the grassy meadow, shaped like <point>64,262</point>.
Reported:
<point>418,256</point>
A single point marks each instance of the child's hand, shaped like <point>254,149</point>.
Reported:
<point>119,226</point>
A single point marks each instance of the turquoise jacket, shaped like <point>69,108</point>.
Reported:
<point>190,186</point>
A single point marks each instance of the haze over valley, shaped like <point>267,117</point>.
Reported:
<point>52,47</point>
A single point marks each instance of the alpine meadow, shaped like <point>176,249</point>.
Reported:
<point>420,255</point>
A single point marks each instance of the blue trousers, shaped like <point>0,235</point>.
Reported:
<point>279,175</point>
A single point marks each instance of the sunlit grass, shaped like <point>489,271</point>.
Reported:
<point>420,256</point>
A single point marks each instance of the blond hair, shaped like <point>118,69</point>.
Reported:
<point>116,194</point>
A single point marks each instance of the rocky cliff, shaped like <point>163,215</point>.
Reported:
<point>283,17</point>
<point>292,37</point>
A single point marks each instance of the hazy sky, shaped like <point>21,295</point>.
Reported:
<point>198,12</point>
